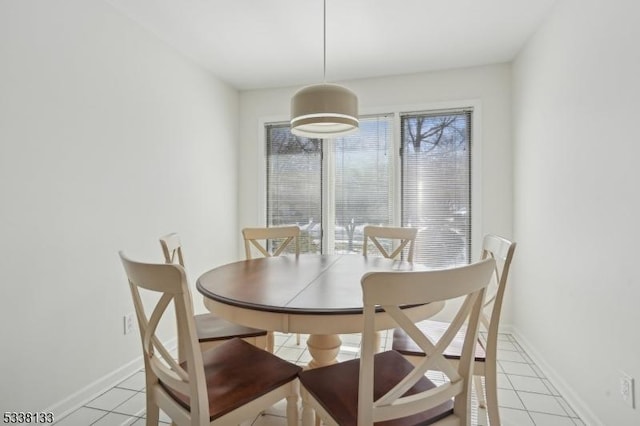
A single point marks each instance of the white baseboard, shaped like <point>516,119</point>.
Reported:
<point>95,389</point>
<point>556,379</point>
<point>78,399</point>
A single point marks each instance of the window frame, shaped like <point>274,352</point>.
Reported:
<point>396,113</point>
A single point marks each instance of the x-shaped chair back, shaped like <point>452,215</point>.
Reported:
<point>284,235</point>
<point>390,291</point>
<point>403,237</point>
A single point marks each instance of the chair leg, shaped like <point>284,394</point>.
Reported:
<point>292,410</point>
<point>491,391</point>
<point>153,412</point>
<point>270,342</point>
<point>477,381</point>
<point>298,339</point>
<point>260,341</point>
<point>376,341</point>
<point>308,415</point>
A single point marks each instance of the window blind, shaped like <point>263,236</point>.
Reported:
<point>363,167</point>
<point>294,184</point>
<point>436,184</point>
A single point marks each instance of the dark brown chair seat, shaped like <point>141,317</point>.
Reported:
<point>211,328</point>
<point>236,373</point>
<point>336,388</point>
<point>434,331</point>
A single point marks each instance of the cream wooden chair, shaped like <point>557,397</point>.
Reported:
<point>378,234</point>
<point>282,234</point>
<point>385,387</point>
<point>501,250</point>
<point>211,329</point>
<point>226,385</point>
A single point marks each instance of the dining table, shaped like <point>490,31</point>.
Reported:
<point>314,294</point>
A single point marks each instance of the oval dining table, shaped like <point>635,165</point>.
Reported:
<point>319,295</point>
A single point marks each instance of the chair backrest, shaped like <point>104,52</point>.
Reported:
<point>169,281</point>
<point>422,287</point>
<point>501,250</point>
<point>399,235</point>
<point>280,235</point>
<point>172,249</point>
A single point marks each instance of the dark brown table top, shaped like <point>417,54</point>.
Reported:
<point>307,284</point>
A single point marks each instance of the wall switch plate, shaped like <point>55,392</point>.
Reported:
<point>128,323</point>
<point>627,391</point>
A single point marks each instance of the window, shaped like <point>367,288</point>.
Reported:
<point>436,185</point>
<point>362,188</point>
<point>332,188</point>
<point>294,184</point>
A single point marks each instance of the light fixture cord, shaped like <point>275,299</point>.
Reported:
<point>324,41</point>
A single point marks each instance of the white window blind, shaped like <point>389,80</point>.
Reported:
<point>436,185</point>
<point>294,184</point>
<point>362,187</point>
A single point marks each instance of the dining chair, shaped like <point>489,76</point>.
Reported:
<point>385,387</point>
<point>276,240</point>
<point>210,329</point>
<point>228,384</point>
<point>385,238</point>
<point>271,241</point>
<point>501,250</point>
<point>388,235</point>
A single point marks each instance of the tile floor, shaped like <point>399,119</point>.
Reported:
<point>526,397</point>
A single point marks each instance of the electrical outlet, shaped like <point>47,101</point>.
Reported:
<point>128,323</point>
<point>627,390</point>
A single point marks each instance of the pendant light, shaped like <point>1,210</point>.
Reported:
<point>324,110</point>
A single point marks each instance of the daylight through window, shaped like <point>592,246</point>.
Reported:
<point>333,188</point>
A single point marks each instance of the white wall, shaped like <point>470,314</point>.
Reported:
<point>577,202</point>
<point>489,86</point>
<point>108,139</point>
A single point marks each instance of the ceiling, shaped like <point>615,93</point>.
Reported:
<point>254,44</point>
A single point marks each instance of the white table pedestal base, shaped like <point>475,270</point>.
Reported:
<point>324,349</point>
